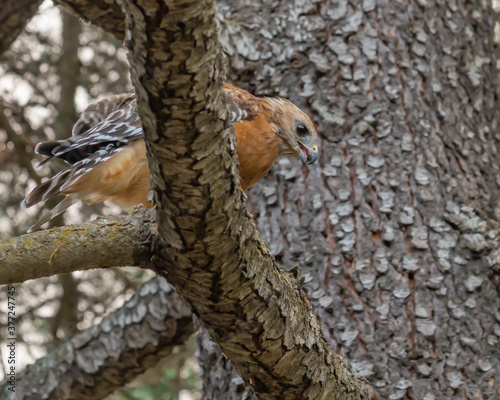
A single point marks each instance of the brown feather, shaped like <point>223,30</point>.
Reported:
<point>258,148</point>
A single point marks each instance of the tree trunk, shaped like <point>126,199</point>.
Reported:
<point>396,229</point>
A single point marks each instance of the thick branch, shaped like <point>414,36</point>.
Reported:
<point>223,269</point>
<point>106,14</point>
<point>14,14</point>
<point>127,342</point>
<point>103,243</point>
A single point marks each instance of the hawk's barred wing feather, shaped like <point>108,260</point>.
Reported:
<point>99,111</point>
<point>242,106</point>
<point>117,129</point>
<point>94,146</point>
<point>47,215</point>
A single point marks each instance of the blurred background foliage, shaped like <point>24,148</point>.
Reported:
<point>53,70</point>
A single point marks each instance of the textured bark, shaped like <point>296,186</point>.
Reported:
<point>223,269</point>
<point>396,229</point>
<point>14,14</point>
<point>219,378</point>
<point>127,342</point>
<point>106,14</point>
<point>104,243</point>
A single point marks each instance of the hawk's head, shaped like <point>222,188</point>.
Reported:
<point>294,127</point>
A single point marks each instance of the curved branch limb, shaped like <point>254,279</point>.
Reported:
<point>103,243</point>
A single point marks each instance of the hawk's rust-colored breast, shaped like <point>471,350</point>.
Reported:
<point>257,145</point>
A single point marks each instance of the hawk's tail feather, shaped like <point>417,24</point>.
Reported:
<point>47,215</point>
<point>63,149</point>
<point>47,148</point>
<point>46,190</point>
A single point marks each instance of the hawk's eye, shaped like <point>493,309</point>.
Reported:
<point>301,130</point>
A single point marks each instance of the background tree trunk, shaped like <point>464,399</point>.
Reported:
<point>396,229</point>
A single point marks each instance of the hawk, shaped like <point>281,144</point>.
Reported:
<point>107,157</point>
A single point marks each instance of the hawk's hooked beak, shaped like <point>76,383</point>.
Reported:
<point>308,155</point>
